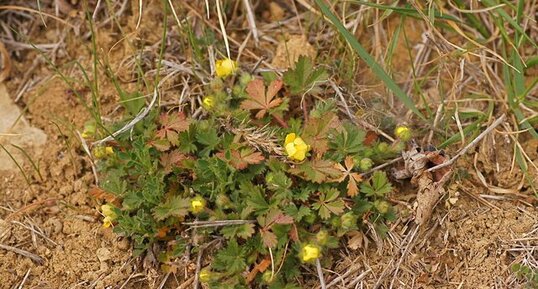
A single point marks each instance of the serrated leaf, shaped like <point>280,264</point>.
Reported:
<point>329,202</point>
<point>241,159</point>
<point>171,126</point>
<point>352,177</point>
<point>230,259</point>
<point>261,99</point>
<point>378,185</point>
<point>175,206</point>
<point>316,130</point>
<point>243,231</point>
<point>170,160</point>
<point>268,238</point>
<point>317,171</point>
<point>303,78</point>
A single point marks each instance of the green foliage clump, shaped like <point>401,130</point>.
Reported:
<point>275,183</point>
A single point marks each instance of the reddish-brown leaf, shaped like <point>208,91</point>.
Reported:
<point>258,268</point>
<point>243,158</point>
<point>268,238</point>
<point>171,160</point>
<point>370,138</point>
<point>316,131</point>
<point>260,98</point>
<point>101,194</point>
<point>171,126</point>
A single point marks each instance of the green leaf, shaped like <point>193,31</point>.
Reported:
<point>230,259</point>
<point>317,171</point>
<point>175,206</point>
<point>303,78</point>
<point>243,231</point>
<point>209,139</point>
<point>347,142</point>
<point>369,59</point>
<point>378,185</point>
<point>329,202</point>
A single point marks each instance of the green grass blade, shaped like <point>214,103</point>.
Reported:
<point>369,59</point>
<point>27,156</point>
<point>18,166</point>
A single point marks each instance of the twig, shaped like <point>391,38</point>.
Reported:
<point>470,145</point>
<point>198,267</point>
<point>132,123</point>
<point>27,254</point>
<point>204,224</point>
<point>87,151</point>
<point>251,21</point>
<point>382,166</point>
<point>24,279</point>
<point>351,270</point>
<point>163,282</point>
<point>320,275</point>
<point>6,62</point>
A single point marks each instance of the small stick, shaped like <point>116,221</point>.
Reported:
<point>203,224</point>
<point>320,275</point>
<point>470,145</point>
<point>27,254</point>
<point>198,268</point>
<point>251,21</point>
<point>25,278</point>
<point>382,166</point>
<point>132,123</point>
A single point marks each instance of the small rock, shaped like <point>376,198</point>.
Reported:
<point>123,245</point>
<point>103,254</point>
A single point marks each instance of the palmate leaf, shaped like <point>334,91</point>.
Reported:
<point>261,99</point>
<point>349,141</point>
<point>378,185</point>
<point>175,206</point>
<point>317,171</point>
<point>317,129</point>
<point>303,78</point>
<point>273,217</point>
<point>171,126</point>
<point>241,159</point>
<point>230,259</point>
<point>329,202</point>
<point>353,177</point>
<point>243,231</point>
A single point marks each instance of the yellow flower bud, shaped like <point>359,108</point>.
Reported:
<point>197,204</point>
<point>89,130</point>
<point>102,152</point>
<point>403,133</point>
<point>296,148</point>
<point>225,67</point>
<point>208,102</point>
<point>205,275</point>
<point>108,211</point>
<point>310,252</point>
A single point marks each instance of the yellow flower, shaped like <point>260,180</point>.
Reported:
<point>403,132</point>
<point>208,102</point>
<point>296,147</point>
<point>102,152</point>
<point>225,67</point>
<point>197,204</point>
<point>310,252</point>
<point>108,211</point>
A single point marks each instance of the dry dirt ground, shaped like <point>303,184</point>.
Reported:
<point>474,237</point>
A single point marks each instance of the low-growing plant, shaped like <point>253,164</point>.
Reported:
<point>275,182</point>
